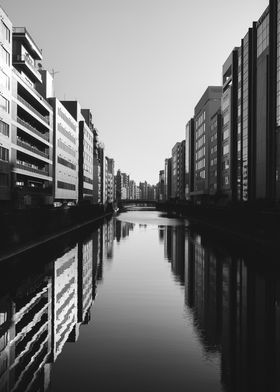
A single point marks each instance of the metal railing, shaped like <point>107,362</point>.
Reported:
<point>31,169</point>
<point>45,119</point>
<point>32,129</point>
<point>27,146</point>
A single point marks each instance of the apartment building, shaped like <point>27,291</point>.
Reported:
<point>32,128</point>
<point>5,106</point>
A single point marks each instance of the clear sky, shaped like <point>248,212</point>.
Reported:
<point>140,65</point>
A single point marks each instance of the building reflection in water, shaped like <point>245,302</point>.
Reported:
<point>44,310</point>
<point>235,309</point>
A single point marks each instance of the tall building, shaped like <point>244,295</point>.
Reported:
<point>215,172</point>
<point>85,152</point>
<point>5,107</point>
<point>167,178</point>
<point>229,138</point>
<point>189,155</point>
<point>109,179</point>
<point>161,186</point>
<point>207,106</point>
<point>32,127</point>
<point>178,171</point>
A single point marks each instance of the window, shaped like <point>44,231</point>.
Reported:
<point>4,80</point>
<point>66,185</point>
<point>4,154</point>
<point>4,56</point>
<point>6,34</point>
<point>226,149</point>
<point>4,104</point>
<point>4,128</point>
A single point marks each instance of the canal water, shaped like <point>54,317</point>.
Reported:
<point>141,302</point>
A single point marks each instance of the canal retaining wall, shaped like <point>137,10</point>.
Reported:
<point>22,229</point>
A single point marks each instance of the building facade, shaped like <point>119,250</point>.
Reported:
<point>207,106</point>
<point>178,171</point>
<point>5,107</point>
<point>31,127</point>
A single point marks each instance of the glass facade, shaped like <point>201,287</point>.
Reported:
<point>226,102</point>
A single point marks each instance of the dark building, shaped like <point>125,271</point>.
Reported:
<point>215,155</point>
<point>229,139</point>
<point>167,178</point>
<point>178,171</point>
<point>189,155</point>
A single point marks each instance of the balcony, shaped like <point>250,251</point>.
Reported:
<point>31,168</point>
<point>27,65</point>
<point>31,148</point>
<point>21,34</point>
<point>35,111</point>
<point>32,129</point>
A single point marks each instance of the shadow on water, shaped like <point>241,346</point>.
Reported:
<point>231,296</point>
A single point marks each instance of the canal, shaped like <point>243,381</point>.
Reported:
<point>141,302</point>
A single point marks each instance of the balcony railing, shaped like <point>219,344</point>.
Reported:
<point>25,58</point>
<point>22,79</point>
<point>32,129</point>
<point>27,146</point>
<point>44,118</point>
<point>25,166</point>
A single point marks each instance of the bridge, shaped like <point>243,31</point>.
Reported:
<point>138,203</point>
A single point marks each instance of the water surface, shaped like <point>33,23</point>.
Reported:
<point>141,303</point>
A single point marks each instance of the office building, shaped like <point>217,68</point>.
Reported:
<point>5,107</point>
<point>178,171</point>
<point>215,172</point>
<point>229,139</point>
<point>207,106</point>
<point>109,180</point>
<point>85,152</point>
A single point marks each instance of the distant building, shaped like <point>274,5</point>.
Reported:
<point>178,171</point>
